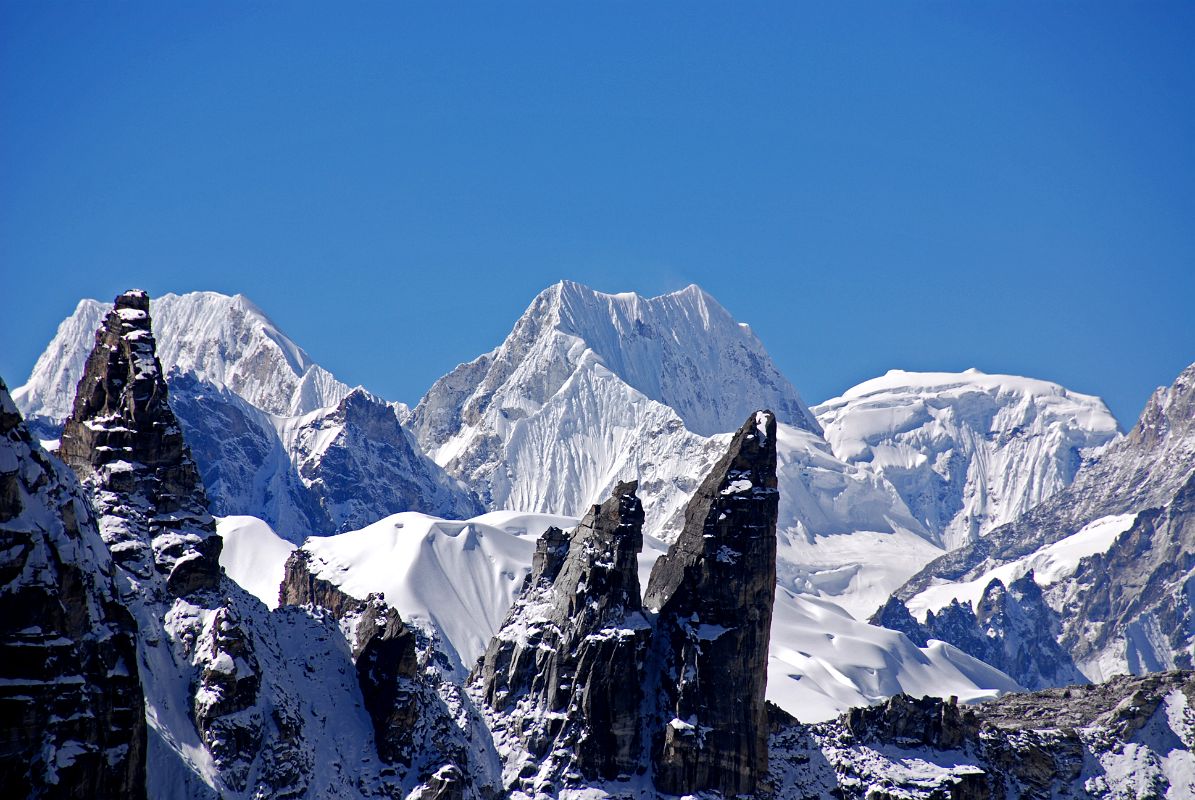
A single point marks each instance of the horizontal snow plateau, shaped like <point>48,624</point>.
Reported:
<point>457,579</point>
<point>1050,564</point>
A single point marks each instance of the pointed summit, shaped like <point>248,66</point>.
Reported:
<point>562,679</point>
<point>714,592</point>
<point>125,443</point>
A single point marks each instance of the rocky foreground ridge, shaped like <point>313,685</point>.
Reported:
<point>1131,737</point>
<point>585,683</point>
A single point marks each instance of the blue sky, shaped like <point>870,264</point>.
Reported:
<point>870,185</point>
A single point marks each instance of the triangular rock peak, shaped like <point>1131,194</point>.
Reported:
<point>714,592</point>
<point>123,439</point>
<point>563,678</point>
<point>582,683</point>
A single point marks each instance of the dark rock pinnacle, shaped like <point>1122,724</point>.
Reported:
<point>714,592</point>
<point>125,443</point>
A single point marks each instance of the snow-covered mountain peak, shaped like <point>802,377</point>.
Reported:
<point>592,388</point>
<point>225,340</point>
<point>666,346</point>
<point>968,451</point>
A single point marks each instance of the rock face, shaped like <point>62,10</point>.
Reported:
<point>563,678</point>
<point>583,684</point>
<point>1118,554</point>
<point>124,441</point>
<point>713,592</point>
<point>1130,737</point>
<point>383,650</point>
<point>71,708</point>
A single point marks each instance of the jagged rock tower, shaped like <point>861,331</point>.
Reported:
<point>714,592</point>
<point>584,684</point>
<point>125,443</point>
<point>71,710</point>
<point>563,678</point>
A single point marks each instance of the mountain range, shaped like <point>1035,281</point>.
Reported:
<point>960,535</point>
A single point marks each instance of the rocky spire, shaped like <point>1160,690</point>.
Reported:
<point>124,441</point>
<point>71,708</point>
<point>714,591</point>
<point>562,679</point>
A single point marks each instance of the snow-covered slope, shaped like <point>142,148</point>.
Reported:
<point>843,532</point>
<point>823,661</point>
<point>579,367</point>
<point>253,556</point>
<point>967,451</point>
<point>225,340</point>
<point>457,579</point>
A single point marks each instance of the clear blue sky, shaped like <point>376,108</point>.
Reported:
<point>870,185</point>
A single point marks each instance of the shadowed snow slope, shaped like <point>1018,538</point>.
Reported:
<point>967,451</point>
<point>457,579</point>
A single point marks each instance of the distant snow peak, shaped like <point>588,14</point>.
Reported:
<point>590,388</point>
<point>227,341</point>
<point>274,434</point>
<point>967,451</point>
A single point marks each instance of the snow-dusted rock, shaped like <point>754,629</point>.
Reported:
<point>70,695</point>
<point>1132,737</point>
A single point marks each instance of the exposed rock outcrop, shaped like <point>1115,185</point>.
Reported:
<point>1129,737</point>
<point>585,683</point>
<point>231,690</point>
<point>563,678</point>
<point>72,718</point>
<point>422,722</point>
<point>713,592</point>
<point>383,649</point>
<point>125,443</point>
